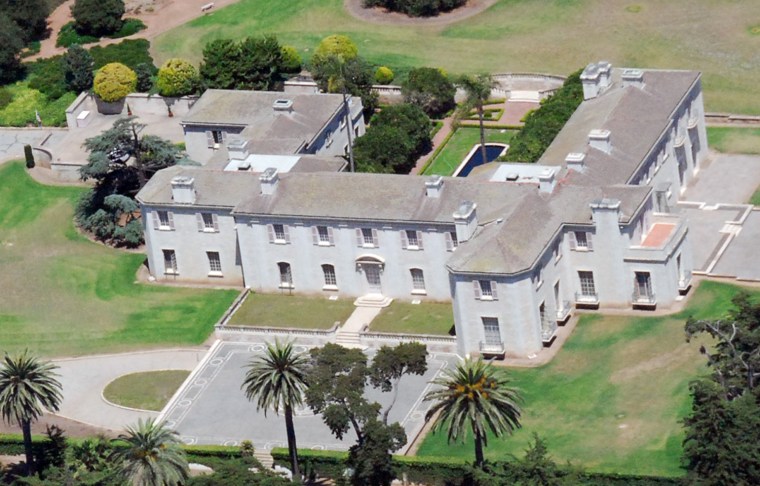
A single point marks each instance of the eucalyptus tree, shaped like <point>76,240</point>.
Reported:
<point>478,396</point>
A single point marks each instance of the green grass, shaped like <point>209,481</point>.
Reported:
<point>150,390</point>
<point>423,318</point>
<point>64,295</point>
<point>459,145</point>
<point>612,399</point>
<point>551,36</point>
<point>734,140</point>
<point>755,198</point>
<point>282,310</point>
<point>20,111</point>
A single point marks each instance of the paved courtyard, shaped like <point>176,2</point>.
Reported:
<point>212,409</point>
<point>12,140</point>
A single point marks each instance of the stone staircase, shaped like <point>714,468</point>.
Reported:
<point>348,339</point>
<point>348,334</point>
<point>264,457</point>
<point>373,300</point>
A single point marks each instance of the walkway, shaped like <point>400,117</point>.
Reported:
<point>84,379</point>
<point>348,333</point>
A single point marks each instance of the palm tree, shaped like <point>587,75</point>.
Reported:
<point>152,457</point>
<point>277,381</point>
<point>478,89</point>
<point>477,395</point>
<point>27,386</point>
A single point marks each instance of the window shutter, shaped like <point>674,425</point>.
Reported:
<point>494,295</point>
<point>199,220</point>
<point>404,240</point>
<point>171,219</point>
<point>449,242</point>
<point>286,231</point>
<point>419,240</point>
<point>224,135</point>
<point>375,240</point>
<point>156,222</point>
<point>330,235</point>
<point>270,230</point>
<point>359,237</point>
<point>571,237</point>
<point>215,220</point>
<point>210,138</point>
<point>315,235</point>
<point>589,241</point>
<point>476,288</point>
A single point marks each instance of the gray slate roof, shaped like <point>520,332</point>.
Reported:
<point>635,117</point>
<point>270,131</point>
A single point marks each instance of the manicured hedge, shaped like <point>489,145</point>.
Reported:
<point>225,452</point>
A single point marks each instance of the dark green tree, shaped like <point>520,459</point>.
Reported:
<point>431,90</point>
<point>29,15</point>
<point>78,68</point>
<point>371,460</point>
<point>384,149</point>
<point>11,44</point>
<point>476,396</point>
<point>390,364</point>
<point>276,381</point>
<point>416,8</point>
<point>353,76</point>
<point>28,386</point>
<point>98,17</point>
<point>221,61</point>
<point>412,121</point>
<point>144,73</point>
<point>255,63</point>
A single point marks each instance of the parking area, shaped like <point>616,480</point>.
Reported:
<point>212,408</point>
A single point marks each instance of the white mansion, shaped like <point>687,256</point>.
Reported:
<point>514,247</point>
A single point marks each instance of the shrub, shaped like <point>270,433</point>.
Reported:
<point>291,60</point>
<point>130,52</point>
<point>177,77</point>
<point>129,27</point>
<point>431,90</point>
<point>10,46</point>
<point>144,77</point>
<point>336,45</point>
<point>5,98</point>
<point>98,17</point>
<point>48,76</point>
<point>383,75</point>
<point>77,64</point>
<point>68,36</point>
<point>21,111</point>
<point>31,49</point>
<point>114,82</point>
<point>417,8</point>
<point>29,156</point>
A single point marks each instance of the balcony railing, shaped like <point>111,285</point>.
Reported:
<point>586,300</point>
<point>563,311</point>
<point>646,300</point>
<point>491,348</point>
<point>548,329</point>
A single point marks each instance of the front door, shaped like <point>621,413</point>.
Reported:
<point>373,278</point>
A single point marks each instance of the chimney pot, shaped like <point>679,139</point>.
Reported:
<point>269,179</point>
<point>183,190</point>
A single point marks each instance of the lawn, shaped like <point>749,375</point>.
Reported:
<point>459,145</point>
<point>64,295</point>
<point>282,310</point>
<point>734,140</point>
<point>613,397</point>
<point>150,390</point>
<point>518,36</point>
<point>423,318</point>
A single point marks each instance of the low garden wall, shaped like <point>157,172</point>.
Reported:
<point>434,344</point>
<point>80,112</point>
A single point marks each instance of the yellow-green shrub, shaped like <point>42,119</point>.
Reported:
<point>114,81</point>
<point>177,77</point>
<point>384,75</point>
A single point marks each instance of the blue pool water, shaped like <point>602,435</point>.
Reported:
<point>476,159</point>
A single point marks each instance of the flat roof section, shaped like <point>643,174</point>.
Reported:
<point>658,235</point>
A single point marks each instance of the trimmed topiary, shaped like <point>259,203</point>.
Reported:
<point>114,82</point>
<point>336,45</point>
<point>177,77</point>
<point>291,60</point>
<point>29,156</point>
<point>384,75</point>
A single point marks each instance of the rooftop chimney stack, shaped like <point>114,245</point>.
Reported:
<point>605,75</point>
<point>238,149</point>
<point>575,161</point>
<point>466,220</point>
<point>269,179</point>
<point>590,79</point>
<point>633,77</point>
<point>183,190</point>
<point>600,140</point>
<point>434,186</point>
<point>546,180</point>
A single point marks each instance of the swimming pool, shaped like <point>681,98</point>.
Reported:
<point>474,158</point>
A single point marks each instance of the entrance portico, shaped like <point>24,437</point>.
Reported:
<point>372,266</point>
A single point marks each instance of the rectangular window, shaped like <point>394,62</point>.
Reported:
<point>329,273</point>
<point>411,238</point>
<point>218,136</point>
<point>588,289</point>
<point>170,262</point>
<point>286,277</point>
<point>485,289</point>
<point>163,220</point>
<point>581,242</point>
<point>208,223</point>
<point>418,280</point>
<point>214,262</point>
<point>491,331</point>
<point>278,233</point>
<point>367,237</point>
<point>324,234</point>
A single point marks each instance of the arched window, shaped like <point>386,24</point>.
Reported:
<point>286,277</point>
<point>418,280</point>
<point>329,273</point>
